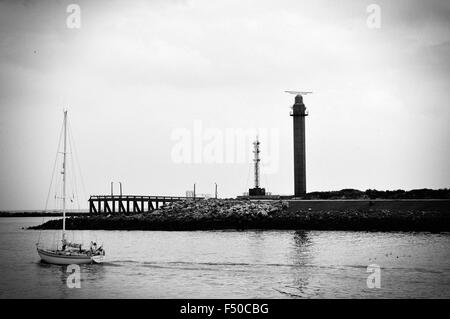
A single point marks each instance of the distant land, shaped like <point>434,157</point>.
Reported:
<point>40,213</point>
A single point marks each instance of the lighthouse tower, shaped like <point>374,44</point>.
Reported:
<point>299,113</point>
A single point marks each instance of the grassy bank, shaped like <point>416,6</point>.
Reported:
<point>242,214</point>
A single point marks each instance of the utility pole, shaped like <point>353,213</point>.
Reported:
<point>215,190</point>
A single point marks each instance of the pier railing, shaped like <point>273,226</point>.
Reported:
<point>130,203</point>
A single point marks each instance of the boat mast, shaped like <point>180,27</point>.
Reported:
<point>64,176</point>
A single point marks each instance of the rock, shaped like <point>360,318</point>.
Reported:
<point>244,214</point>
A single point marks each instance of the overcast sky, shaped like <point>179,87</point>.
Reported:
<point>137,74</point>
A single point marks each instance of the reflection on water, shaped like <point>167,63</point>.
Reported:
<point>301,257</point>
<point>301,239</point>
<point>232,264</point>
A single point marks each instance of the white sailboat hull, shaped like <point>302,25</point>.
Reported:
<point>61,258</point>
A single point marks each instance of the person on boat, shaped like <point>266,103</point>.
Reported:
<point>93,247</point>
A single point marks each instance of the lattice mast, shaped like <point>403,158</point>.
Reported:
<point>256,161</point>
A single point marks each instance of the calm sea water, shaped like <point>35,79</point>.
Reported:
<point>231,264</point>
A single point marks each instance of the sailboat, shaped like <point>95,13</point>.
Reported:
<point>69,253</point>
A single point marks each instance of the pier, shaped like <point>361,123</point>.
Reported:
<point>130,203</point>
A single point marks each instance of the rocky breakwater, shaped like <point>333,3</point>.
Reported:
<point>244,214</point>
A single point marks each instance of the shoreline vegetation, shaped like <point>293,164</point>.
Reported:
<point>221,214</point>
<point>349,193</point>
